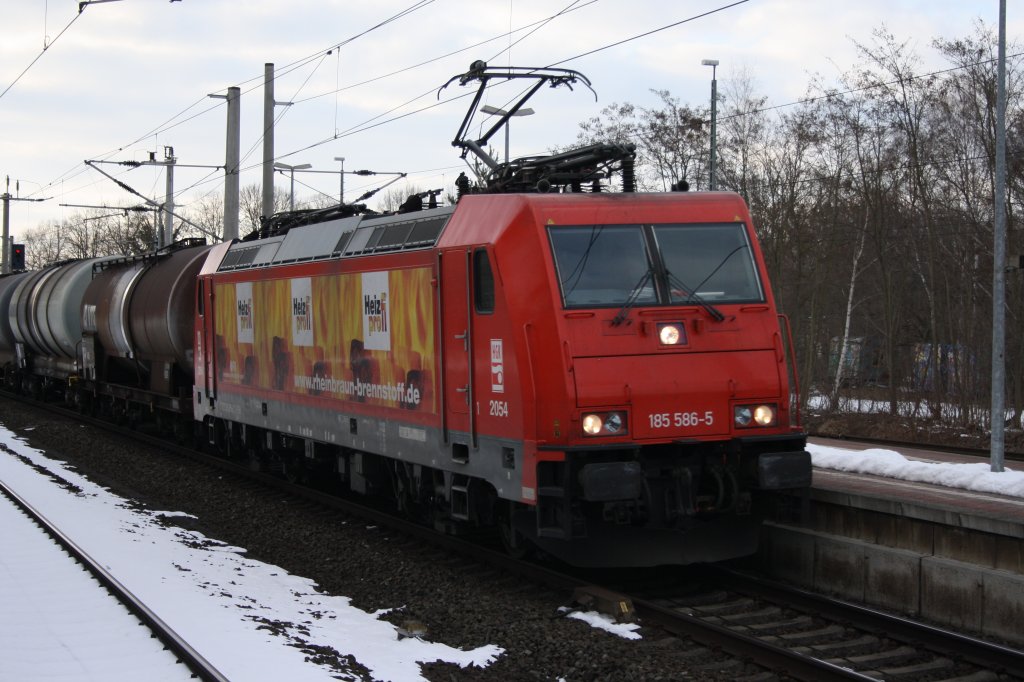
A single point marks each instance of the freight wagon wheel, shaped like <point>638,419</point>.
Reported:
<point>83,403</point>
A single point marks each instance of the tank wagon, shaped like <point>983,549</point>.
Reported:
<point>600,375</point>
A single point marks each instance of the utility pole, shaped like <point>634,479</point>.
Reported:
<point>268,140</point>
<point>231,162</point>
<point>713,63</point>
<point>169,160</point>
<point>998,416</point>
<point>165,214</point>
<point>7,229</point>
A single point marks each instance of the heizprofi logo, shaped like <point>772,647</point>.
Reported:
<point>376,311</point>
<point>302,311</point>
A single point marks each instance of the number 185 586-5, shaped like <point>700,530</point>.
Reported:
<point>665,420</point>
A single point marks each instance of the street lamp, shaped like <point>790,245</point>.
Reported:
<point>495,111</point>
<point>713,63</point>
<point>341,190</point>
<point>292,169</point>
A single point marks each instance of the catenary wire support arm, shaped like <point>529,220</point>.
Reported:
<point>150,202</point>
<point>85,3</point>
<point>370,193</point>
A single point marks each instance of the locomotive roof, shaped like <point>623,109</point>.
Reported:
<point>343,238</point>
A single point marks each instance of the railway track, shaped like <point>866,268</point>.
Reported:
<point>782,632</point>
<point>176,644</point>
<point>810,636</point>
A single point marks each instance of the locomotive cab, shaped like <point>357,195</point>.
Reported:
<point>651,375</point>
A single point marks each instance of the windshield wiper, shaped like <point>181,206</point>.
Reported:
<point>634,295</point>
<point>693,297</point>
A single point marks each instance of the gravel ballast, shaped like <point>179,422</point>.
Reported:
<point>457,603</point>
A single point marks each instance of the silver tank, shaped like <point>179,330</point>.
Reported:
<point>45,308</point>
<point>7,286</point>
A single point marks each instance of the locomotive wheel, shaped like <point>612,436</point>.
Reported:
<point>512,541</point>
<point>293,469</point>
<point>413,507</point>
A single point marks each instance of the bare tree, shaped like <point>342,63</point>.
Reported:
<point>389,200</point>
<point>250,203</point>
<point>671,140</point>
<point>208,214</point>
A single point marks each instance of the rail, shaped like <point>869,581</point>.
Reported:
<point>199,666</point>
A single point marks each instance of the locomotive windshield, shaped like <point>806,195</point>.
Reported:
<point>614,265</point>
<point>601,265</point>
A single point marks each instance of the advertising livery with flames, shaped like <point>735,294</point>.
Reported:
<point>310,338</point>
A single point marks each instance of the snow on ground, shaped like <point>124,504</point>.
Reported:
<point>977,476</point>
<point>248,618</point>
<point>606,623</point>
<point>47,597</point>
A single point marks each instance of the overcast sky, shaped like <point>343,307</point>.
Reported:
<point>129,77</point>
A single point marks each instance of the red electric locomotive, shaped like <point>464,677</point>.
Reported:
<point>603,375</point>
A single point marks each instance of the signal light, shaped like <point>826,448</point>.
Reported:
<point>18,257</point>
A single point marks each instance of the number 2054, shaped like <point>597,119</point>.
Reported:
<point>664,420</point>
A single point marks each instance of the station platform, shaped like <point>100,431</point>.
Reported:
<point>945,554</point>
<point>955,508</point>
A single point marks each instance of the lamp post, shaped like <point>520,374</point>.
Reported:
<point>713,63</point>
<point>341,189</point>
<point>292,169</point>
<point>495,111</point>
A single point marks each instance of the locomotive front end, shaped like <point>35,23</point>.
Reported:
<point>677,376</point>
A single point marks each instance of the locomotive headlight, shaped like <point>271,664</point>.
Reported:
<point>592,424</point>
<point>671,333</point>
<point>604,424</point>
<point>745,416</point>
<point>764,415</point>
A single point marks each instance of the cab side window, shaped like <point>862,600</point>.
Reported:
<point>483,282</point>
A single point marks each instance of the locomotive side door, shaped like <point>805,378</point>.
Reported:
<point>457,347</point>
